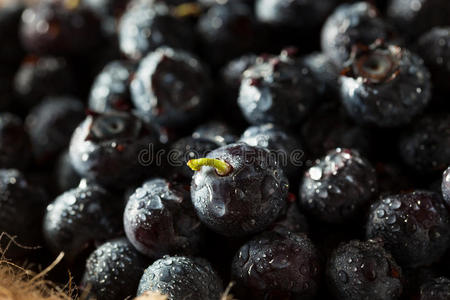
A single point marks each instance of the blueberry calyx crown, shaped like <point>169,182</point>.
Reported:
<point>222,167</point>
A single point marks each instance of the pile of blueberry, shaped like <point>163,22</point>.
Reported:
<point>298,149</point>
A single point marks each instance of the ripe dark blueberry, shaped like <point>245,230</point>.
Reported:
<point>50,125</point>
<point>65,176</point>
<point>349,25</point>
<point>364,270</point>
<point>434,47</point>
<point>425,147</point>
<point>11,50</point>
<point>436,289</point>
<point>159,219</point>
<point>111,88</point>
<point>278,90</point>
<point>81,218</point>
<point>385,85</point>
<point>171,87</point>
<point>59,28</point>
<point>111,148</point>
<point>231,75</point>
<point>276,262</point>
<point>40,77</point>
<point>286,147</point>
<point>216,132</point>
<point>446,186</point>
<point>292,220</point>
<point>181,277</point>
<point>325,72</point>
<point>22,207</point>
<point>14,142</point>
<point>238,189</point>
<point>338,186</point>
<point>414,227</point>
<point>415,17</point>
<point>147,26</point>
<point>113,270</point>
<point>227,30</point>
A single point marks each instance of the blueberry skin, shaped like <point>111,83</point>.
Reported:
<point>146,26</point>
<point>292,220</point>
<point>65,176</point>
<point>325,72</point>
<point>14,142</point>
<point>436,289</point>
<point>446,186</point>
<point>392,94</point>
<point>245,201</point>
<point>278,90</point>
<point>108,148</point>
<point>274,262</point>
<point>348,25</point>
<point>414,227</point>
<point>113,270</point>
<point>81,217</point>
<point>159,219</point>
<point>215,131</point>
<point>338,186</point>
<point>171,87</point>
<point>111,88</point>
<point>364,270</point>
<point>182,278</point>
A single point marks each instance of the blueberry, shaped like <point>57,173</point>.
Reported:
<point>338,186</point>
<point>244,191</point>
<point>159,219</point>
<point>171,87</point>
<point>278,262</point>
<point>292,220</point>
<point>14,142</point>
<point>111,88</point>
<point>80,218</point>
<point>50,125</point>
<point>285,146</point>
<point>146,26</point>
<point>348,25</point>
<point>110,148</point>
<point>181,277</point>
<point>446,186</point>
<point>436,289</point>
<point>385,85</point>
<point>425,147</point>
<point>113,270</point>
<point>414,227</point>
<point>278,90</point>
<point>215,131</point>
<point>324,71</point>
<point>65,176</point>
<point>364,270</point>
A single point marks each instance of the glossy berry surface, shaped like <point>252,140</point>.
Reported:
<point>246,200</point>
<point>325,73</point>
<point>65,175</point>
<point>80,218</point>
<point>364,270</point>
<point>413,226</point>
<point>278,90</point>
<point>14,142</point>
<point>181,277</point>
<point>338,186</point>
<point>446,186</point>
<point>215,131</point>
<point>436,289</point>
<point>231,75</point>
<point>426,146</point>
<point>170,87</point>
<point>159,219</point>
<point>111,88</point>
<point>108,148</point>
<point>113,270</point>
<point>385,85</point>
<point>278,262</point>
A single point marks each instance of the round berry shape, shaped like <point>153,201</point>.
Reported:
<point>274,261</point>
<point>338,186</point>
<point>179,277</point>
<point>278,90</point>
<point>215,131</point>
<point>324,71</point>
<point>51,123</point>
<point>436,289</point>
<point>14,142</point>
<point>364,270</point>
<point>65,176</point>
<point>446,186</point>
<point>238,189</point>
<point>414,227</point>
<point>171,87</point>
<point>108,148</point>
<point>147,26</point>
<point>80,218</point>
<point>111,88</point>
<point>385,85</point>
<point>231,74</point>
<point>113,270</point>
<point>159,219</point>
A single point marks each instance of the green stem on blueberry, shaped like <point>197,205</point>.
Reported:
<point>222,168</point>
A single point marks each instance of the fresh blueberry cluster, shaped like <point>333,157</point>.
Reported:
<point>228,149</point>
